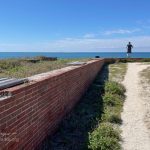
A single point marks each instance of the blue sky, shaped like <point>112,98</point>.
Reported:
<point>74,25</point>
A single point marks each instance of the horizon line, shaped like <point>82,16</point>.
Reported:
<point>71,52</point>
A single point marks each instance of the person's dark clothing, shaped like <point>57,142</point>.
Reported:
<point>129,48</point>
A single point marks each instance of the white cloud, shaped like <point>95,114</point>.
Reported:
<point>89,35</point>
<point>81,45</point>
<point>121,31</point>
<point>97,44</point>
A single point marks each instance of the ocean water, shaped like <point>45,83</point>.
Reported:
<point>4,55</point>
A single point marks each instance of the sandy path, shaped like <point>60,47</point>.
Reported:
<point>134,132</point>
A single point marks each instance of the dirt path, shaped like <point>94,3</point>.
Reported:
<point>134,132</point>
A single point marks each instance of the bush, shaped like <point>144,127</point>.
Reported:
<point>105,143</point>
<point>114,88</point>
<point>105,137</point>
<point>112,99</point>
<point>109,99</point>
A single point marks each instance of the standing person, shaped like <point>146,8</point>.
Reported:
<point>129,49</point>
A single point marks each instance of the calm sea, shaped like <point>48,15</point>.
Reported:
<point>4,55</point>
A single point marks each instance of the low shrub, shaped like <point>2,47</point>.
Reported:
<point>114,88</point>
<point>112,99</point>
<point>105,137</point>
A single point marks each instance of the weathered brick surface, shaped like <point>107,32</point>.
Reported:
<point>35,109</point>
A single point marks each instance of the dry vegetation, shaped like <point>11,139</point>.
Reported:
<point>117,71</point>
<point>20,68</point>
<point>145,93</point>
<point>145,74</point>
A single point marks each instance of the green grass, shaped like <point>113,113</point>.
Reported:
<point>114,88</point>
<point>113,104</point>
<point>19,68</point>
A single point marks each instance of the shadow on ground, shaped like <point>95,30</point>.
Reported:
<point>73,131</point>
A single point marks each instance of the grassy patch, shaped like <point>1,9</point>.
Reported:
<point>19,68</point>
<point>145,82</point>
<point>145,74</point>
<point>117,71</point>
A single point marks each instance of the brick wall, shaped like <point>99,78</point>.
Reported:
<point>34,110</point>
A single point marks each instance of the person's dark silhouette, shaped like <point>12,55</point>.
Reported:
<point>129,49</point>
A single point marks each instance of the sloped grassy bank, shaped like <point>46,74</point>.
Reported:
<point>94,122</point>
